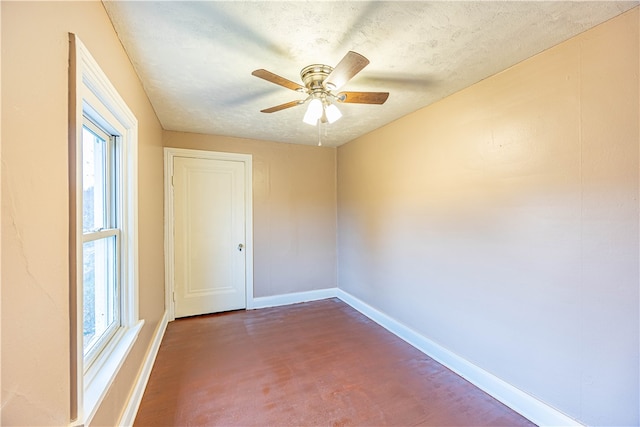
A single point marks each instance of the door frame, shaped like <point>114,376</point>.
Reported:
<point>170,154</point>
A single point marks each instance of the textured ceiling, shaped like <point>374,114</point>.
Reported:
<point>195,58</point>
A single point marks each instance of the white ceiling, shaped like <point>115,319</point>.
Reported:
<point>195,58</point>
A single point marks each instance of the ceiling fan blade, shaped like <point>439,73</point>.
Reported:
<point>281,107</point>
<point>363,97</point>
<point>274,78</point>
<point>349,66</point>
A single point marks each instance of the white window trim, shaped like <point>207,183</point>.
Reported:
<point>96,97</point>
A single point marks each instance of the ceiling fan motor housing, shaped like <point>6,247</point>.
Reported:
<point>313,77</point>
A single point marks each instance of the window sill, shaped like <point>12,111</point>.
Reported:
<point>106,370</point>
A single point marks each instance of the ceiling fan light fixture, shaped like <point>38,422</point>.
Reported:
<point>320,81</point>
<point>333,113</point>
<point>314,112</point>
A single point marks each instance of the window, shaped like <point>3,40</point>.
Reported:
<point>100,240</point>
<point>103,228</point>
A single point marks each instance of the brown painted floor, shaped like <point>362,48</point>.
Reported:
<point>313,364</point>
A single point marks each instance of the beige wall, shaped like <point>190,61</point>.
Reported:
<point>35,273</point>
<point>294,210</point>
<point>502,223</point>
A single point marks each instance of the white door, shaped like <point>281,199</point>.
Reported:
<point>209,235</point>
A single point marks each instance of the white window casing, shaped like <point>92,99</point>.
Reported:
<point>93,96</point>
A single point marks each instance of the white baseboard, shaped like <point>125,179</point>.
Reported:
<point>293,298</point>
<point>521,402</point>
<point>131,410</point>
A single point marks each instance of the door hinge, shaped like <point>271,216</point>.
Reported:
<point>173,295</point>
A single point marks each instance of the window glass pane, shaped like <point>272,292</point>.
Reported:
<point>100,289</point>
<point>94,182</point>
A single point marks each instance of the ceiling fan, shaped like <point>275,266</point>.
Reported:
<point>320,84</point>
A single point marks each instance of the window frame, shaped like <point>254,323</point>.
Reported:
<point>110,229</point>
<point>92,95</point>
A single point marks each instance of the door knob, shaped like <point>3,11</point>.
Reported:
<point>240,246</point>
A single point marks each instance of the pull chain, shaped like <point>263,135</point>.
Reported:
<point>319,133</point>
